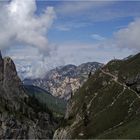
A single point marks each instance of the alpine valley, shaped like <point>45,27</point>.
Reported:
<point>105,106</point>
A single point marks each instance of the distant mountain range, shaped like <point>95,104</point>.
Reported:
<point>65,80</point>
<point>107,106</point>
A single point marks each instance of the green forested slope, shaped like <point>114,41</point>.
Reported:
<point>56,105</point>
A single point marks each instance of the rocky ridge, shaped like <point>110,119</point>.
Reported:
<point>107,106</point>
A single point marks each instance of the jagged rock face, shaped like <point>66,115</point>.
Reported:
<point>13,128</point>
<point>107,106</point>
<point>11,81</point>
<point>10,73</point>
<point>20,115</point>
<point>63,81</point>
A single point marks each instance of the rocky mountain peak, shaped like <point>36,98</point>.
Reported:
<point>21,116</point>
<point>10,73</point>
<point>9,80</point>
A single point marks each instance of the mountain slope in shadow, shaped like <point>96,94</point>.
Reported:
<point>56,105</point>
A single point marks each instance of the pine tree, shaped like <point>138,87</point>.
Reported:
<point>85,114</point>
<point>89,75</point>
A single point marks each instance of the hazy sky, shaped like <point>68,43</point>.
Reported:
<point>40,35</point>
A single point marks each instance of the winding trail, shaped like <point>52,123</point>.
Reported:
<point>124,88</point>
<point>116,80</point>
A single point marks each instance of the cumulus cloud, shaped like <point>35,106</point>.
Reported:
<point>23,35</point>
<point>20,25</point>
<point>129,37</point>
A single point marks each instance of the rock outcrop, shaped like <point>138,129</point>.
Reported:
<point>20,115</point>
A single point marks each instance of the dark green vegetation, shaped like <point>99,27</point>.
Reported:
<point>130,130</point>
<point>108,104</point>
<point>56,105</point>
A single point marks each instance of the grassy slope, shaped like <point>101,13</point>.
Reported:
<point>130,130</point>
<point>100,91</point>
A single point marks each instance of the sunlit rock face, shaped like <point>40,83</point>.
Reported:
<point>66,80</point>
<point>20,116</point>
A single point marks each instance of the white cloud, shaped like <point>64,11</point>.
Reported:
<point>79,7</point>
<point>63,28</point>
<point>31,63</point>
<point>70,25</point>
<point>20,25</point>
<point>95,11</point>
<point>77,52</point>
<point>23,35</point>
<point>97,37</point>
<point>129,37</point>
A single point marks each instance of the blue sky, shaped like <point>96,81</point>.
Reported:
<point>84,24</point>
<point>79,27</point>
<point>53,33</point>
<point>122,14</point>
